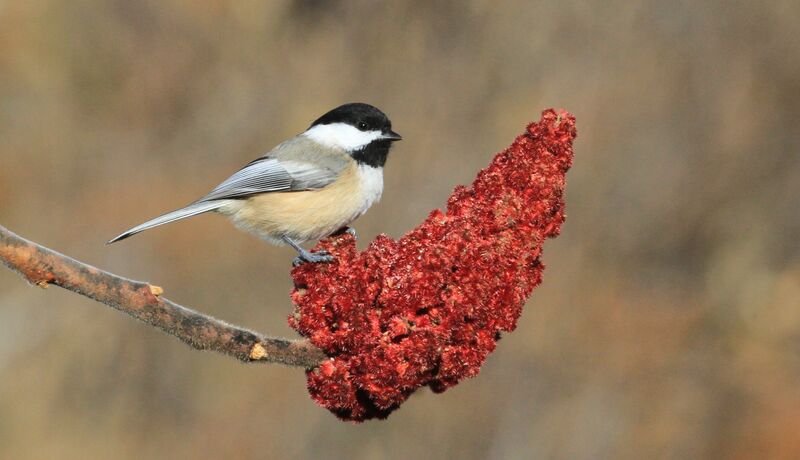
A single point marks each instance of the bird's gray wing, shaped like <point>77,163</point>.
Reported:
<point>297,164</point>
<point>260,176</point>
<point>272,175</point>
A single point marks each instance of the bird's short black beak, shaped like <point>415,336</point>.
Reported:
<point>392,136</point>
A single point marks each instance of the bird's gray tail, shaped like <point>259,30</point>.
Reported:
<point>189,211</point>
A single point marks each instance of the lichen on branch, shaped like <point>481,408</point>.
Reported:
<point>427,309</point>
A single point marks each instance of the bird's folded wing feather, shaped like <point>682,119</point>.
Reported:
<point>271,175</point>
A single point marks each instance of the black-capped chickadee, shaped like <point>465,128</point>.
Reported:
<point>306,188</point>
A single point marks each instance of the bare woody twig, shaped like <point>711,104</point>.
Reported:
<point>42,266</point>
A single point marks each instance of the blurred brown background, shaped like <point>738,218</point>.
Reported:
<point>668,323</point>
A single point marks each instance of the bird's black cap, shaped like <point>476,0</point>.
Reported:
<point>365,117</point>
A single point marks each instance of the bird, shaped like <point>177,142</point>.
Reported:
<point>308,187</point>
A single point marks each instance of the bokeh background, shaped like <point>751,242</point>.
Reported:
<point>668,323</point>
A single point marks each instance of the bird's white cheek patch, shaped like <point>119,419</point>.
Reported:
<point>341,135</point>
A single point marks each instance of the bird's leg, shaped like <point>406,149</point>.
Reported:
<point>349,230</point>
<point>307,256</point>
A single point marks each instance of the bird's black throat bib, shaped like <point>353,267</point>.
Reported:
<point>373,154</point>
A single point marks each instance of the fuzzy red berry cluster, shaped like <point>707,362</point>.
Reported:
<point>428,308</point>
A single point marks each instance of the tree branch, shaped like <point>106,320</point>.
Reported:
<point>42,266</point>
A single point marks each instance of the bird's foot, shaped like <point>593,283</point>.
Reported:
<point>312,257</point>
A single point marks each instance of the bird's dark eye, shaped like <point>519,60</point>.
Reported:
<point>363,126</point>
